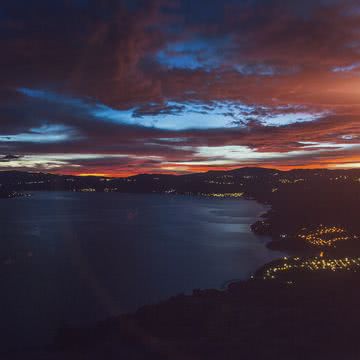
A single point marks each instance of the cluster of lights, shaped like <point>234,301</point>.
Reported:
<point>287,181</point>
<point>110,189</point>
<point>225,195</point>
<point>325,236</point>
<point>341,177</point>
<point>219,182</point>
<point>287,265</point>
<point>170,191</point>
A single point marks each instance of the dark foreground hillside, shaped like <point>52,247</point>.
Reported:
<point>316,318</point>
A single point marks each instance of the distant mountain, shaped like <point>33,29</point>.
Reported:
<point>232,180</point>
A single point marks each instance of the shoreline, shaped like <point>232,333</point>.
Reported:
<point>308,295</point>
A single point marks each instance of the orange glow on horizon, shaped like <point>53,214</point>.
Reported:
<point>348,163</point>
<point>92,174</point>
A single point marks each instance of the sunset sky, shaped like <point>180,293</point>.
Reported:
<point>176,86</point>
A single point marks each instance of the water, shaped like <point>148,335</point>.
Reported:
<point>70,259</point>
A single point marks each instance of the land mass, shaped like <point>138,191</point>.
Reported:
<point>315,318</point>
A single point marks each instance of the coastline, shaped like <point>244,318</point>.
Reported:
<point>311,294</point>
<point>210,324</point>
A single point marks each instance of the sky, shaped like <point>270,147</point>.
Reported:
<point>122,87</point>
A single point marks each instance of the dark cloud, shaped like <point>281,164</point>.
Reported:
<point>9,157</point>
<point>158,58</point>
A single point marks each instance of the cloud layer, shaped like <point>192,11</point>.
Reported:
<point>126,87</point>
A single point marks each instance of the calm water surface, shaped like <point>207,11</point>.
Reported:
<point>69,259</point>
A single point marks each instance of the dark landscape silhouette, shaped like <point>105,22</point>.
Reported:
<point>301,306</point>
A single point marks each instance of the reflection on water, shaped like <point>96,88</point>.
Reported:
<point>74,258</point>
